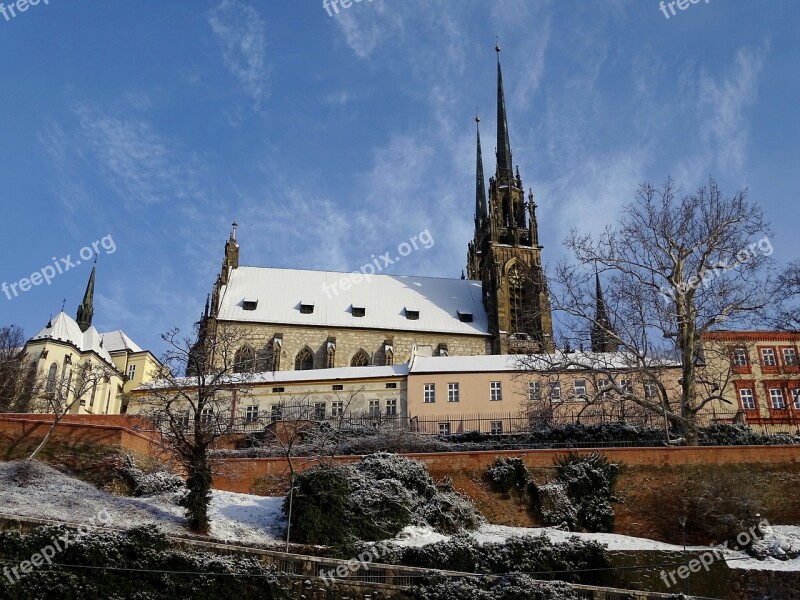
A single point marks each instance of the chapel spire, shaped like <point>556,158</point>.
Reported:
<point>602,334</point>
<point>505,172</point>
<point>86,309</point>
<point>480,185</point>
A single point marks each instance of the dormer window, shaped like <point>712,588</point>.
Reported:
<point>306,308</point>
<point>250,304</point>
<point>412,314</point>
<point>465,316</point>
<point>359,311</point>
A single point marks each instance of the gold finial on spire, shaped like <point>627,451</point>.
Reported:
<point>497,48</point>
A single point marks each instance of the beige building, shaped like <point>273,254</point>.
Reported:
<point>504,394</point>
<point>362,395</point>
<point>81,370</point>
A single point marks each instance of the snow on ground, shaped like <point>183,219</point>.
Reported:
<point>52,495</point>
<point>244,518</point>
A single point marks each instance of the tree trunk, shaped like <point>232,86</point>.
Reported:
<point>199,492</point>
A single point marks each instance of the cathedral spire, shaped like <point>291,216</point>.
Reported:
<point>505,172</point>
<point>86,309</point>
<point>602,335</point>
<point>480,185</point>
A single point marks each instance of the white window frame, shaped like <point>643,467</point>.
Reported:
<point>793,353</point>
<point>495,391</point>
<point>391,407</point>
<point>429,393</point>
<point>452,392</point>
<point>444,428</point>
<point>534,390</point>
<point>769,352</point>
<point>337,408</point>
<point>495,428</point>
<point>131,372</point>
<point>555,391</point>
<point>580,388</point>
<point>251,413</point>
<point>650,390</point>
<point>747,398</point>
<point>374,408</point>
<point>795,392</point>
<point>740,357</point>
<point>776,399</point>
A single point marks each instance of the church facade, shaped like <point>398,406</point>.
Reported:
<point>288,320</point>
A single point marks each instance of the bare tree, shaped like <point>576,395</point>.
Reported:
<point>17,381</point>
<point>674,268</point>
<point>78,386</point>
<point>787,315</point>
<point>194,411</point>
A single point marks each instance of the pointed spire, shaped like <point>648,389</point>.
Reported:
<point>86,309</point>
<point>602,335</point>
<point>208,299</point>
<point>505,172</point>
<point>480,185</point>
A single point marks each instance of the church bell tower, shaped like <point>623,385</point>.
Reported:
<point>505,254</point>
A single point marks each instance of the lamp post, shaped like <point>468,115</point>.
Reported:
<point>682,520</point>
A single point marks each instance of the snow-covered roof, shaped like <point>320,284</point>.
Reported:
<point>115,341</point>
<point>276,295</point>
<point>64,328</point>
<point>535,362</point>
<point>309,376</point>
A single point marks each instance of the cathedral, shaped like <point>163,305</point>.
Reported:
<point>287,320</point>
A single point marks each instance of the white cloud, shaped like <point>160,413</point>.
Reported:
<point>241,34</point>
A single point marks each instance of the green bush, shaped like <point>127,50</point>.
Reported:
<point>506,474</point>
<point>512,587</point>
<point>145,568</point>
<point>590,481</point>
<point>320,506</point>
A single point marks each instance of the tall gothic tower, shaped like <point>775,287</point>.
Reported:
<point>505,254</point>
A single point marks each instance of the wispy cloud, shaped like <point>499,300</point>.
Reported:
<point>241,34</point>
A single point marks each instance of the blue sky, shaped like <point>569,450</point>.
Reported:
<point>333,138</point>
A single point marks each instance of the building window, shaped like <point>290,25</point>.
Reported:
<point>51,378</point>
<point>244,360</point>
<point>444,428</point>
<point>580,387</point>
<point>360,359</point>
<point>429,395</point>
<point>795,397</point>
<point>251,414</point>
<point>304,360</point>
<point>277,390</point>
<point>790,357</point>
<point>650,390</point>
<point>555,391</point>
<point>495,427</point>
<point>131,372</point>
<point>768,357</point>
<point>747,399</point>
<point>306,308</point>
<point>206,416</point>
<point>452,392</point>
<point>391,386</point>
<point>604,388</point>
<point>412,315</point>
<point>330,356</point>
<point>319,411</point>
<point>626,386</point>
<point>495,390</point>
<point>777,401</point>
<point>249,304</point>
<point>739,357</point>
<point>391,407</point>
<point>374,408</point>
<point>337,408</point>
<point>276,413</point>
<point>516,299</point>
<point>359,311</point>
<point>534,390</point>
<point>338,387</point>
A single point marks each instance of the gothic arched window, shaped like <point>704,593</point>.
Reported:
<point>516,299</point>
<point>245,360</point>
<point>360,359</point>
<point>304,360</point>
<point>51,378</point>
